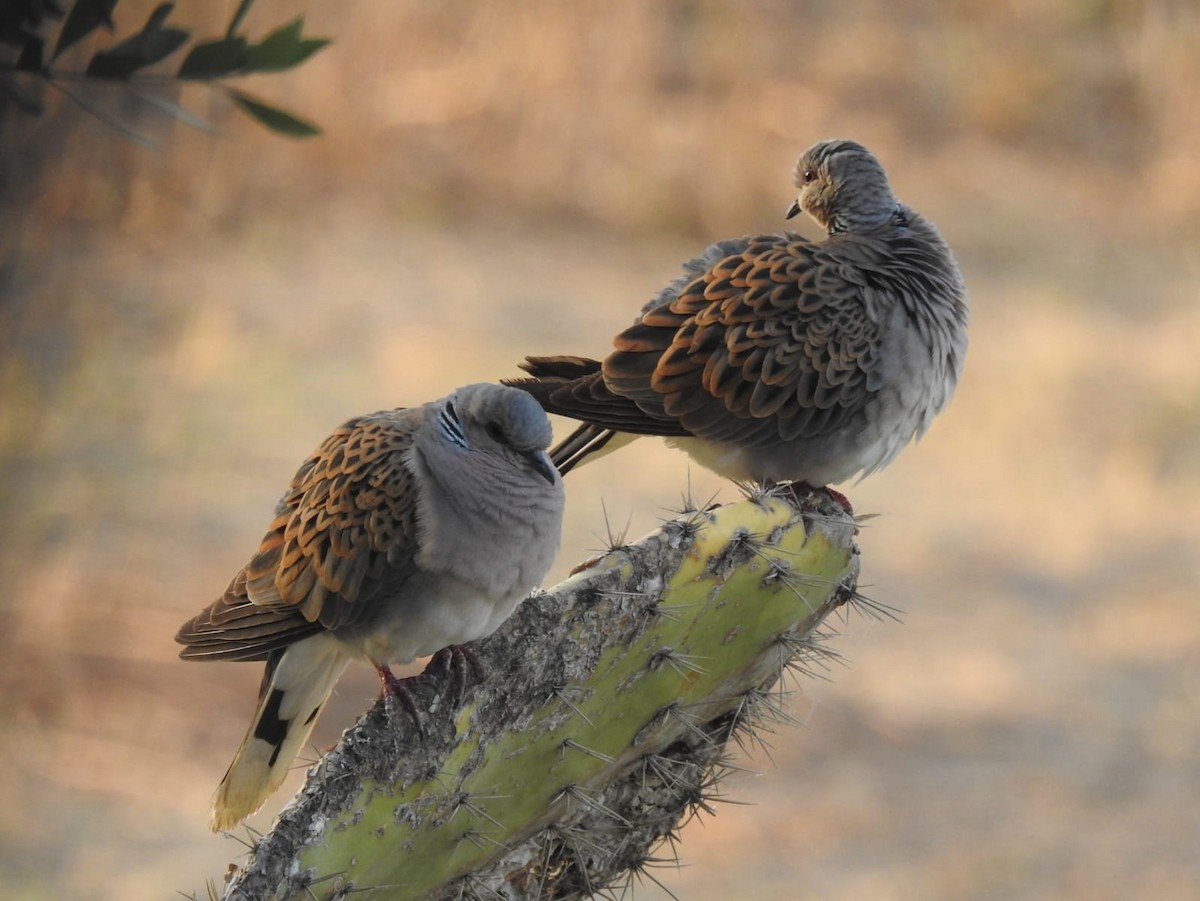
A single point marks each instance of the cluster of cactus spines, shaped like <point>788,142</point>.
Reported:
<point>603,721</point>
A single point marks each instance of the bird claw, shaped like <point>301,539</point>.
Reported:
<point>840,499</point>
<point>801,494</point>
<point>452,664</point>
<point>395,691</point>
<point>833,494</point>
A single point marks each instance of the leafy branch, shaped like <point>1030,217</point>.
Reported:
<point>24,26</point>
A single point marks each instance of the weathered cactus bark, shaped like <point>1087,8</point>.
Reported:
<point>602,721</point>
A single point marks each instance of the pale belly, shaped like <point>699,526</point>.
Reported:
<point>432,614</point>
<point>815,462</point>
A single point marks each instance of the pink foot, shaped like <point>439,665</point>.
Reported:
<point>840,499</point>
<point>832,493</point>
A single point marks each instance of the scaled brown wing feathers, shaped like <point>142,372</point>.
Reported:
<point>767,345</point>
<point>343,533</point>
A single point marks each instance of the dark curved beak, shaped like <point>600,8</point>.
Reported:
<point>543,465</point>
<point>794,209</point>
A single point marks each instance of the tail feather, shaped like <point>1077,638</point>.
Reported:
<point>296,685</point>
<point>577,388</point>
<point>560,368</point>
<point>574,387</point>
<point>586,444</point>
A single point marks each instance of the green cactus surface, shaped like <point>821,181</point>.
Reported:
<point>601,721</point>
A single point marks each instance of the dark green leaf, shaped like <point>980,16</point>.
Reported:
<point>113,65</point>
<point>283,49</point>
<point>273,117</point>
<point>84,18</point>
<point>150,45</point>
<point>30,13</point>
<point>213,59</point>
<point>137,52</point>
<point>238,15</point>
<point>158,16</point>
<point>158,45</point>
<point>30,59</point>
<point>23,20</point>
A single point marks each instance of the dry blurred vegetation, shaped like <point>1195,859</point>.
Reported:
<point>178,328</point>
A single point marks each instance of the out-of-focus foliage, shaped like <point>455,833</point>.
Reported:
<point>24,27</point>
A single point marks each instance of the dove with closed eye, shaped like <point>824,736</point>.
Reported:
<point>406,532</point>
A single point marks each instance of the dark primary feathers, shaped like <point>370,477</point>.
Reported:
<point>777,357</point>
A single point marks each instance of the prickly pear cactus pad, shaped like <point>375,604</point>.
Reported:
<point>601,722</point>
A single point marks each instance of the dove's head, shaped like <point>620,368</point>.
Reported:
<point>502,421</point>
<point>843,188</point>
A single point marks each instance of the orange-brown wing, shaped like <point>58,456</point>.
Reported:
<point>344,535</point>
<point>772,343</point>
<point>233,628</point>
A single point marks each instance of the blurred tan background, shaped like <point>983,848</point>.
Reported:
<point>180,327</point>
